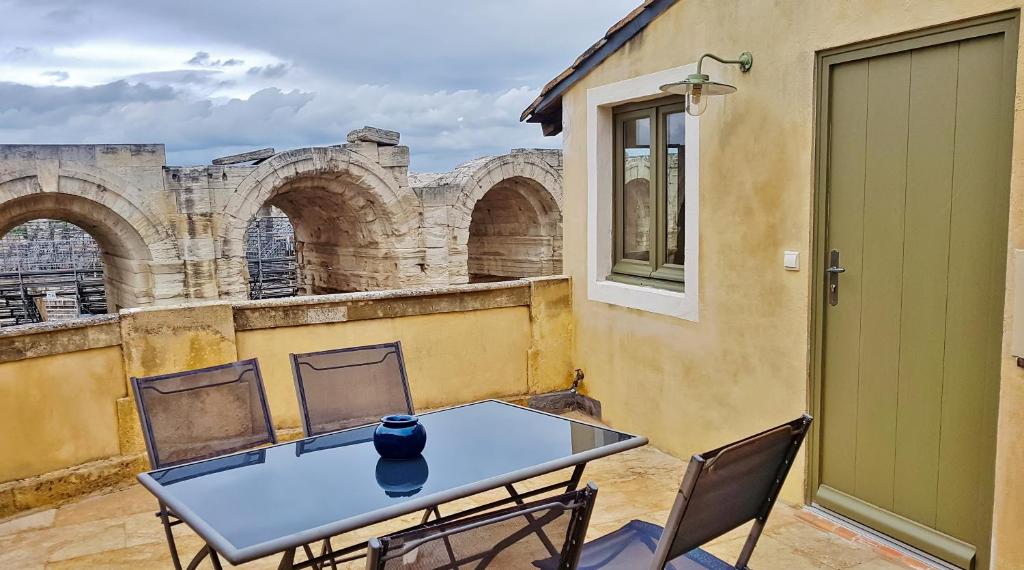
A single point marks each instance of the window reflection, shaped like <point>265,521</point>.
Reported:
<point>636,194</point>
<point>675,137</point>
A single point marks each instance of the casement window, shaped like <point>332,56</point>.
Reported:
<point>643,195</point>
<point>648,201</point>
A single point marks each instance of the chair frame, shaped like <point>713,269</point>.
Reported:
<point>167,517</point>
<point>300,389</point>
<point>695,469</point>
<point>576,535</point>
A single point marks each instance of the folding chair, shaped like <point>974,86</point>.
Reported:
<point>348,387</point>
<point>552,528</point>
<point>201,414</point>
<point>721,490</point>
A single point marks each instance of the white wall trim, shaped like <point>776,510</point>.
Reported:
<point>600,151</point>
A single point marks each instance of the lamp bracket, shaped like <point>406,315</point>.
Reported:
<point>745,61</point>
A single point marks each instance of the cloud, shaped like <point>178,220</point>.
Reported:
<point>20,53</point>
<point>65,15</point>
<point>196,129</point>
<point>270,71</point>
<point>178,77</point>
<point>56,75</point>
<point>451,76</point>
<point>38,102</point>
<point>202,58</point>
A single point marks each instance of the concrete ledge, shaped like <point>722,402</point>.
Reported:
<point>45,339</point>
<point>57,487</point>
<point>318,309</point>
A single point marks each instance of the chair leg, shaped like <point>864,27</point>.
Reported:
<point>215,559</point>
<point>287,561</point>
<point>748,547</point>
<point>327,548</point>
<point>165,519</point>
<point>540,532</point>
<point>426,514</point>
<point>310,556</point>
<point>203,553</point>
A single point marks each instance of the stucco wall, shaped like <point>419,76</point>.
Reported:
<point>691,386</point>
<point>58,410</point>
<point>488,360</point>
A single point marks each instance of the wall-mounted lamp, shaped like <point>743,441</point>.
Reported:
<point>697,87</point>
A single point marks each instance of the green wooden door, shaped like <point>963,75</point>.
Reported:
<point>917,188</point>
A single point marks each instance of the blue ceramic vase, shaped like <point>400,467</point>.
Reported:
<point>399,437</point>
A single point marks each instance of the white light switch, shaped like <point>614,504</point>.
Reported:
<point>791,260</point>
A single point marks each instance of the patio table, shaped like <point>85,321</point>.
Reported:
<point>281,498</point>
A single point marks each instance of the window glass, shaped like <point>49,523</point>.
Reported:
<point>636,189</point>
<point>674,202</point>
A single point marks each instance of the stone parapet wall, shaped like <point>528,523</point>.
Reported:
<point>68,415</point>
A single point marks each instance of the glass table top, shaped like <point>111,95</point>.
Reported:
<point>259,500</point>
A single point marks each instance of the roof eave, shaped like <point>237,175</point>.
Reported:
<point>546,109</point>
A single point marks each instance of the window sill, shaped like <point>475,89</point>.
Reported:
<point>615,291</point>
<point>674,286</point>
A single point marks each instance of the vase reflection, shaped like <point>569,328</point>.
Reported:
<point>402,477</point>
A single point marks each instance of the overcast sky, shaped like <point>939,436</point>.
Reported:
<point>210,78</point>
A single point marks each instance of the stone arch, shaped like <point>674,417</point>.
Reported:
<point>356,227</point>
<point>508,218</point>
<point>132,244</point>
<point>636,218</point>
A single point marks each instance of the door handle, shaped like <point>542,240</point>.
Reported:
<point>834,270</point>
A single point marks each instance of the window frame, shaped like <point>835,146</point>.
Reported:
<point>594,122</point>
<point>656,272</point>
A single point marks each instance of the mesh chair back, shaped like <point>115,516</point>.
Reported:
<point>349,387</point>
<point>730,486</point>
<point>199,414</point>
<point>551,530</point>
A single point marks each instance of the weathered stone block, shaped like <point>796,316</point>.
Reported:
<point>394,156</point>
<point>261,154</point>
<point>374,135</point>
<point>169,340</point>
<point>367,149</point>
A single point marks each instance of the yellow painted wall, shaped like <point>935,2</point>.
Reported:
<point>692,386</point>
<point>461,344</point>
<point>57,411</point>
<point>450,357</point>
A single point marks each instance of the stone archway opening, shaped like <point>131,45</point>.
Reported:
<point>636,219</point>
<point>120,253</point>
<point>343,241</point>
<point>270,255</point>
<point>49,270</point>
<point>515,231</point>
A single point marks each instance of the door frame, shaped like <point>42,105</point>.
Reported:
<point>1005,23</point>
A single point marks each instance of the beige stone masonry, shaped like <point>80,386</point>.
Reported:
<point>173,234</point>
<point>58,337</point>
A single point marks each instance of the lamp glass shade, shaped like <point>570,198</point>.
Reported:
<point>696,103</point>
